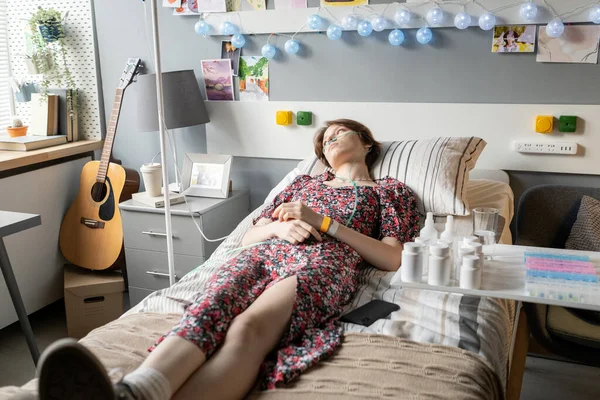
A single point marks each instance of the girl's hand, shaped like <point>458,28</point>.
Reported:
<point>295,231</point>
<point>297,210</point>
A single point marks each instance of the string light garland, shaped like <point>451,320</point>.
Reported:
<point>365,24</point>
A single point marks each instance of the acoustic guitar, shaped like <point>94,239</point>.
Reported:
<point>91,234</point>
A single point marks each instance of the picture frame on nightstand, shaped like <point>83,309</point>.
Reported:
<point>206,175</point>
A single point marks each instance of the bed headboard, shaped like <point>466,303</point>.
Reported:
<point>248,129</point>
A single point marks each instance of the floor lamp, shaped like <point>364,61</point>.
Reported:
<point>163,137</point>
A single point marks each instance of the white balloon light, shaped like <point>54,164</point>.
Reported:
<point>424,35</point>
<point>555,28</point>
<point>462,20</point>
<point>528,11</point>
<point>595,14</point>
<point>487,21</point>
<point>379,23</point>
<point>402,17</point>
<point>350,22</point>
<point>435,16</point>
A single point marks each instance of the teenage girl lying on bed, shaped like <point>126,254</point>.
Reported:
<point>273,311</point>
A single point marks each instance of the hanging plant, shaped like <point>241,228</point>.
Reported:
<point>50,53</point>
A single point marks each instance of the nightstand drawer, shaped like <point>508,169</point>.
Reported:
<point>149,269</point>
<point>137,294</point>
<point>146,231</point>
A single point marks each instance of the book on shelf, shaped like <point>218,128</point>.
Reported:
<point>157,201</point>
<point>44,115</point>
<point>29,142</point>
<point>67,119</point>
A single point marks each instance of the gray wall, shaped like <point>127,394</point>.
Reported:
<point>457,67</point>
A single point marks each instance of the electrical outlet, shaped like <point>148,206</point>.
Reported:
<point>546,148</point>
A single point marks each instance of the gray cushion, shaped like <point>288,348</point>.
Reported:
<point>585,234</point>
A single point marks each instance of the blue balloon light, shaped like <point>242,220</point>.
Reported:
<point>402,17</point>
<point>364,28</point>
<point>268,51</point>
<point>487,21</point>
<point>202,28</point>
<point>350,22</point>
<point>334,32</point>
<point>555,28</point>
<point>238,40</point>
<point>379,23</point>
<point>424,35</point>
<point>314,22</point>
<point>291,47</point>
<point>396,37</point>
<point>227,28</point>
<point>462,20</point>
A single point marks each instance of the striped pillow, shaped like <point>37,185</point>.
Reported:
<point>436,170</point>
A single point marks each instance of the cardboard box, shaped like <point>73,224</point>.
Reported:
<point>92,299</point>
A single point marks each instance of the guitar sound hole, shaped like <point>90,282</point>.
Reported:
<point>99,191</point>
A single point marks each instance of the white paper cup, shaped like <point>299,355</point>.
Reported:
<point>152,175</point>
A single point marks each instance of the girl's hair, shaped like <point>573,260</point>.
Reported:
<point>364,133</point>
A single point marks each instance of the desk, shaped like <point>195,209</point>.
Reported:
<point>504,278</point>
<point>11,223</point>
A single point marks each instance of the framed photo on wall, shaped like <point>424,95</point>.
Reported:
<point>206,175</point>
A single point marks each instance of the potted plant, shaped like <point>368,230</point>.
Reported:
<point>49,53</point>
<point>17,128</point>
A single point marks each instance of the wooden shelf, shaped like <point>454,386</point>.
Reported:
<point>16,159</point>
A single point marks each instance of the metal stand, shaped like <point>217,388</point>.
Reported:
<point>163,140</point>
<point>15,295</point>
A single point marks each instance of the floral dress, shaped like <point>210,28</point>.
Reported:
<point>326,273</point>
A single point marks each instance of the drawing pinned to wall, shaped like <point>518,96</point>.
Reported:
<point>514,39</point>
<point>230,52</point>
<point>342,3</point>
<point>254,78</point>
<point>212,6</point>
<point>246,5</point>
<point>578,44</point>
<point>184,9</point>
<point>288,4</point>
<point>217,80</point>
<point>172,3</point>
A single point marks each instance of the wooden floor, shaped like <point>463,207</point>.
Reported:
<point>544,379</point>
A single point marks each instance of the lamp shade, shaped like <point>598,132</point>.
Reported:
<point>183,101</point>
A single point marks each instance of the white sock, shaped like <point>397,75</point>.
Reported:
<point>148,384</point>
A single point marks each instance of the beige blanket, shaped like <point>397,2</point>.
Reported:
<point>365,367</point>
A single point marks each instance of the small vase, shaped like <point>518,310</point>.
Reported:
<point>14,132</point>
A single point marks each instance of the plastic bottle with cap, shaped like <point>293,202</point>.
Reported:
<point>439,265</point>
<point>429,231</point>
<point>470,272</point>
<point>425,243</point>
<point>464,250</point>
<point>411,269</point>
<point>448,233</point>
<point>478,250</point>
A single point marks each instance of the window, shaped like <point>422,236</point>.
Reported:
<point>5,93</point>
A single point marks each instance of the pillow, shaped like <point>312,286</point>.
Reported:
<point>585,234</point>
<point>436,170</point>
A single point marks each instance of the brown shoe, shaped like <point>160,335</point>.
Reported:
<point>69,371</point>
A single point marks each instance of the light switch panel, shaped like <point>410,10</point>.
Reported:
<point>544,124</point>
<point>283,117</point>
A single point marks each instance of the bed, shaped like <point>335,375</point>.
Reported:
<point>437,345</point>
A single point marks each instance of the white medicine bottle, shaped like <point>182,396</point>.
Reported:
<point>429,232</point>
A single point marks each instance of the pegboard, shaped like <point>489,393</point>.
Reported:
<point>81,56</point>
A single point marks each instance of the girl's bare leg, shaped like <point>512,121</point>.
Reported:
<point>230,373</point>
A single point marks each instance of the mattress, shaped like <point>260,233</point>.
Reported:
<point>483,326</point>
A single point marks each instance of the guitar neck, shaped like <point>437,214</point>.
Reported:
<point>110,136</point>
